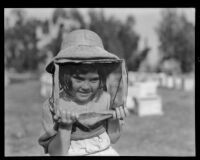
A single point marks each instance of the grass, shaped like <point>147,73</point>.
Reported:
<point>172,134</point>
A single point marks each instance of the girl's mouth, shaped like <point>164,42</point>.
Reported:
<point>84,93</point>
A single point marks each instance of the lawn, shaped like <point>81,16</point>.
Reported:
<point>172,134</point>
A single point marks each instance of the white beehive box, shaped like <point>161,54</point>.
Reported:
<point>132,76</point>
<point>188,84</point>
<point>156,79</point>
<point>130,103</point>
<point>46,78</point>
<point>178,82</point>
<point>6,79</point>
<point>46,85</point>
<point>143,89</point>
<point>149,106</point>
<point>163,79</point>
<point>170,82</point>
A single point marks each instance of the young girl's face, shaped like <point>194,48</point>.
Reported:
<point>85,86</point>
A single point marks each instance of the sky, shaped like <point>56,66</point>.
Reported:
<point>146,21</point>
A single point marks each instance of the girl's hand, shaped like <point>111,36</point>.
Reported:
<point>120,113</point>
<point>63,117</point>
<point>68,118</point>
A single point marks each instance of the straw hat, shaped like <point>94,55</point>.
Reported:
<point>82,46</point>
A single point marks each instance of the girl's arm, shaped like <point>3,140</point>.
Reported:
<point>59,146</point>
<point>50,128</point>
<point>114,127</point>
<point>56,137</point>
<point>115,124</point>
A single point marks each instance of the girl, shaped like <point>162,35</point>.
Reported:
<point>84,115</point>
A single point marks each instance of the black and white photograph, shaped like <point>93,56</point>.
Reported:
<point>99,82</point>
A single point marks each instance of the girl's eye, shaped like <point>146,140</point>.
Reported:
<point>78,80</point>
<point>94,80</point>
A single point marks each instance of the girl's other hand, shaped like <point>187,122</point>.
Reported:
<point>120,113</point>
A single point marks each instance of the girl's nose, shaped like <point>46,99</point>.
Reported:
<point>86,86</point>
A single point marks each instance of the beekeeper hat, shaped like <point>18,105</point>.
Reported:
<point>81,46</point>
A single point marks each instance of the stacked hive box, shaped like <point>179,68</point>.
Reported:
<point>130,102</point>
<point>188,84</point>
<point>148,102</point>
<point>170,82</point>
<point>46,85</point>
<point>149,106</point>
<point>163,79</point>
<point>6,79</point>
<point>178,81</point>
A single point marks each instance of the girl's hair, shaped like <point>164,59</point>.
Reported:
<point>68,69</point>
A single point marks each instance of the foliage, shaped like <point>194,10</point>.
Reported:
<point>177,39</point>
<point>59,17</point>
<point>118,38</point>
<point>21,40</point>
<point>21,50</point>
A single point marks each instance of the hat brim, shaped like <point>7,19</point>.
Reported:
<point>82,54</point>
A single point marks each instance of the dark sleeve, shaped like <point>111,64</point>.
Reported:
<point>48,125</point>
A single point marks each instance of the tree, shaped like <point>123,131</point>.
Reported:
<point>118,38</point>
<point>177,39</point>
<point>29,41</point>
<point>58,14</point>
<point>64,20</point>
<point>76,15</point>
<point>21,50</point>
<point>108,30</point>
